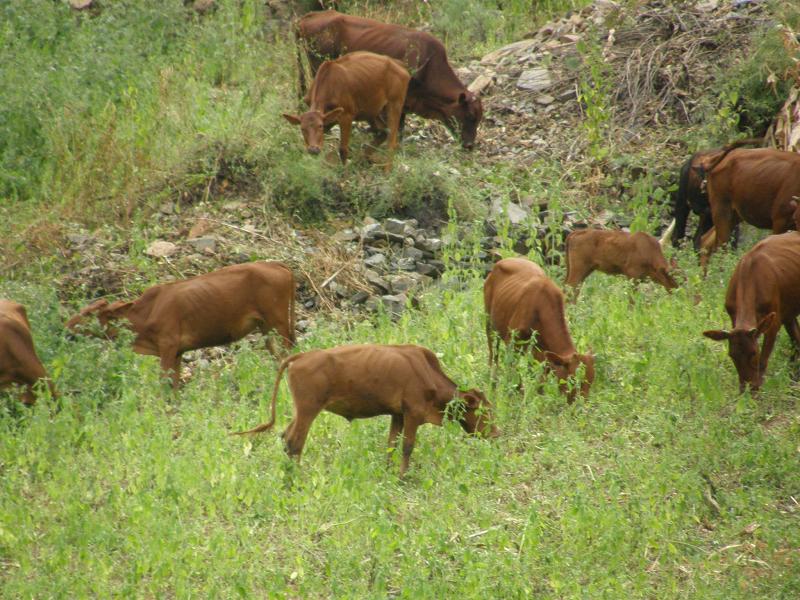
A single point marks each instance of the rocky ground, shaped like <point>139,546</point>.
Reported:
<point>656,62</point>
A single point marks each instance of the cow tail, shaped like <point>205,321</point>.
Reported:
<point>301,74</point>
<point>292,331</point>
<point>566,251</point>
<point>265,426</point>
<point>681,203</point>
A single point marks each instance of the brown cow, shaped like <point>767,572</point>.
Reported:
<point>358,86</point>
<point>763,294</point>
<point>19,363</point>
<point>692,196</point>
<point>757,186</point>
<point>208,310</point>
<point>522,302</point>
<point>435,92</point>
<point>635,255</point>
<point>358,382</point>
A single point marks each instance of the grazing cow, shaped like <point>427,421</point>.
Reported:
<point>208,310</point>
<point>435,92</point>
<point>692,195</point>
<point>522,302</point>
<point>635,255</point>
<point>19,363</point>
<point>757,186</point>
<point>358,86</point>
<point>763,294</point>
<point>358,382</point>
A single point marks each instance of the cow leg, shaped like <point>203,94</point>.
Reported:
<point>171,366</point>
<point>793,329</point>
<point>394,430</point>
<point>295,435</point>
<point>411,424</point>
<point>394,113</point>
<point>766,349</point>
<point>345,125</point>
<point>704,224</point>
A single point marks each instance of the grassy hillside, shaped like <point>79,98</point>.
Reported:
<point>666,483</point>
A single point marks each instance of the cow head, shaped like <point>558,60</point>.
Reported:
<point>105,313</point>
<point>743,350</point>
<point>313,124</point>
<point>468,112</point>
<point>566,366</point>
<point>477,417</point>
<point>664,274</point>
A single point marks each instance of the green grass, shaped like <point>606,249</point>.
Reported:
<point>128,491</point>
<point>666,483</point>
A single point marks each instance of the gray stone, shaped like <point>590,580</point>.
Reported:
<point>426,269</point>
<point>516,48</point>
<point>534,80</point>
<point>167,208</point>
<point>203,244</point>
<point>376,260</point>
<point>515,213</point>
<point>370,230</point>
<point>402,283</point>
<point>430,245</point>
<point>359,297</point>
<point>406,264</point>
<point>160,249</point>
<point>395,226</point>
<point>411,252</point>
<point>302,325</point>
<point>544,99</point>
<point>376,280</point>
<point>481,82</point>
<point>394,304</point>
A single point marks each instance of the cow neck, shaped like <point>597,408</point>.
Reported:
<point>750,278</point>
<point>320,82</point>
<point>554,335</point>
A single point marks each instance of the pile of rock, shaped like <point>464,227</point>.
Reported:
<point>399,257</point>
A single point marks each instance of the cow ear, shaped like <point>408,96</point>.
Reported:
<point>717,335</point>
<point>293,119</point>
<point>557,359</point>
<point>766,322</point>
<point>332,115</point>
<point>118,309</point>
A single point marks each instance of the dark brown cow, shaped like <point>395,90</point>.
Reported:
<point>208,310</point>
<point>756,186</point>
<point>692,196</point>
<point>358,86</point>
<point>635,255</point>
<point>19,363</point>
<point>435,92</point>
<point>522,302</point>
<point>358,382</point>
<point>763,294</point>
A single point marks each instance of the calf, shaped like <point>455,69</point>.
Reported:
<point>635,255</point>
<point>358,86</point>
<point>435,92</point>
<point>521,301</point>
<point>19,363</point>
<point>208,310</point>
<point>758,186</point>
<point>763,294</point>
<point>358,382</point>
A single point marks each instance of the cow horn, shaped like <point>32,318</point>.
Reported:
<point>666,235</point>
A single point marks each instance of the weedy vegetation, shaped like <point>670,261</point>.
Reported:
<point>665,483</point>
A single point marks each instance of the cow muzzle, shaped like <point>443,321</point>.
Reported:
<point>314,150</point>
